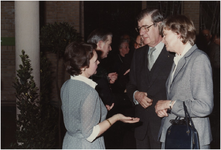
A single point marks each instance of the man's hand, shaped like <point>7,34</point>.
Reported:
<point>113,77</point>
<point>142,98</point>
<point>127,72</point>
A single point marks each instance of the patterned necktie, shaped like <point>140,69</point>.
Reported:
<point>151,58</point>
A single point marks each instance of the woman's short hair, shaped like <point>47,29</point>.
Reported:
<point>181,25</point>
<point>77,56</point>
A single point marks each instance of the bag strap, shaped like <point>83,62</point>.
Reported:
<point>187,116</point>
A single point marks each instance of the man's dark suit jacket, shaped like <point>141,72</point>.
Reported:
<point>103,86</point>
<point>152,82</point>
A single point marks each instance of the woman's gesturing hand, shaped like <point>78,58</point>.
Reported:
<point>127,119</point>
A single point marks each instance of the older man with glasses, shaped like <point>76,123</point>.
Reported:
<point>150,68</point>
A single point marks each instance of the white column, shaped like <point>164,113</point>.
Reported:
<point>27,35</point>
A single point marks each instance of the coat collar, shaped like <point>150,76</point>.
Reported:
<point>183,60</point>
<point>181,63</point>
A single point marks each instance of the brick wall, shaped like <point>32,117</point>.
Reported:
<point>192,10</point>
<point>55,11</point>
<point>7,19</point>
<point>7,53</point>
<point>61,11</point>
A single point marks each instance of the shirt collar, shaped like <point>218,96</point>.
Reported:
<point>159,46</point>
<point>85,80</point>
<point>178,57</point>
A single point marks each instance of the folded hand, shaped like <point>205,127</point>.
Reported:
<point>143,100</point>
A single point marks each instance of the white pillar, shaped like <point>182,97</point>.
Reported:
<point>27,35</point>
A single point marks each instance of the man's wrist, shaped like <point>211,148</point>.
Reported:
<point>134,99</point>
<point>135,95</point>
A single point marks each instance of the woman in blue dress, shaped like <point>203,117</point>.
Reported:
<point>83,111</point>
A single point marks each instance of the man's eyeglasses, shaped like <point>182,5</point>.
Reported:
<point>145,27</point>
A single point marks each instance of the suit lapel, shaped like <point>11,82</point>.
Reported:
<point>142,62</point>
<point>146,58</point>
<point>180,65</point>
<point>169,81</point>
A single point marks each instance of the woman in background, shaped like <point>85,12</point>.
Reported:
<point>83,111</point>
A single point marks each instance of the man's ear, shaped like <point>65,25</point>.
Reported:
<point>100,44</point>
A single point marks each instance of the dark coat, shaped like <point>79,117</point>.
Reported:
<point>152,82</point>
<point>103,87</point>
<point>121,65</point>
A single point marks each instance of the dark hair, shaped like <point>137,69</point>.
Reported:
<point>77,56</point>
<point>155,14</point>
<point>98,35</point>
<point>181,25</point>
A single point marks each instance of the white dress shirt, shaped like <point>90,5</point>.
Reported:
<point>158,50</point>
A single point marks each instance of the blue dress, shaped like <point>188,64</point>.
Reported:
<point>82,109</point>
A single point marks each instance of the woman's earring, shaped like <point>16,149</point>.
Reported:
<point>83,69</point>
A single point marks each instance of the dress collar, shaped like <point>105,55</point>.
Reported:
<point>85,80</point>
